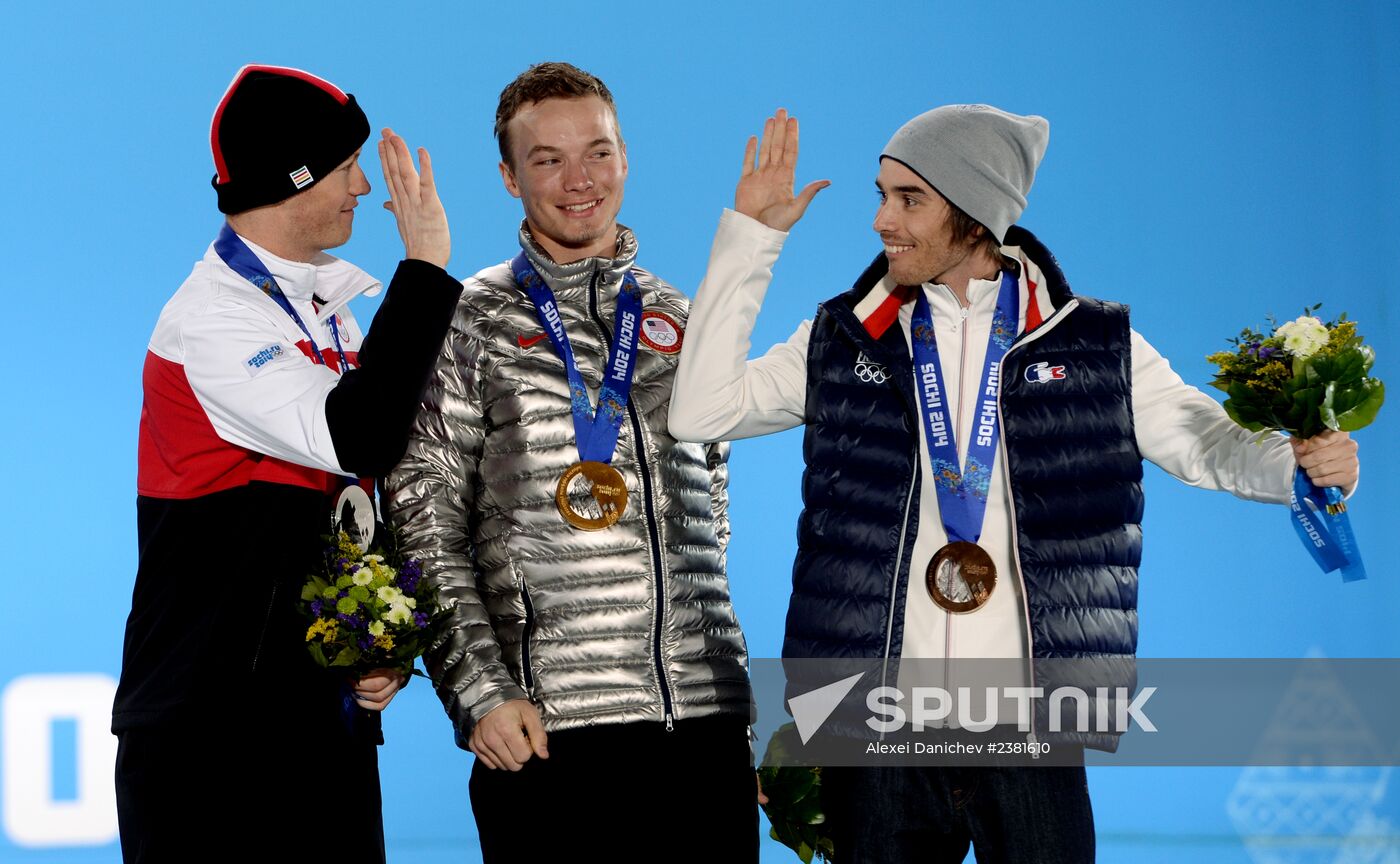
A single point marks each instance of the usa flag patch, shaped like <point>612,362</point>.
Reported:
<point>301,178</point>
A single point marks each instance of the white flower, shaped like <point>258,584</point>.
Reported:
<point>374,559</point>
<point>376,628</point>
<point>389,594</point>
<point>1303,336</point>
<point>362,576</point>
<point>398,614</point>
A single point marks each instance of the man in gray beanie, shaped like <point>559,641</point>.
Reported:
<point>974,443</point>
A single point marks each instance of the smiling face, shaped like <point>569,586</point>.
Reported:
<point>568,166</point>
<point>915,224</point>
<point>321,217</point>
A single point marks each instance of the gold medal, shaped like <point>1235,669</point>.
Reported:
<point>591,495</point>
<point>961,577</point>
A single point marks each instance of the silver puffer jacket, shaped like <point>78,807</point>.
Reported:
<point>630,623</point>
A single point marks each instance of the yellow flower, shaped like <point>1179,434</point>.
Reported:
<point>386,642</point>
<point>326,629</point>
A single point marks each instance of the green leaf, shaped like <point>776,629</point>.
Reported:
<point>316,653</point>
<point>346,657</point>
<point>1355,407</point>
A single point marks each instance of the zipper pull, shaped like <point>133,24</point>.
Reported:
<point>670,722</point>
<point>1034,746</point>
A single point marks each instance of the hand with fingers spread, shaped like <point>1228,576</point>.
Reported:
<point>509,735</point>
<point>1330,459</point>
<point>766,183</point>
<point>413,200</point>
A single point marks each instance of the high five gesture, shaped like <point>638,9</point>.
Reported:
<point>765,185</point>
<point>413,200</point>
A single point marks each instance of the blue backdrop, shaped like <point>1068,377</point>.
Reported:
<point>1209,163</point>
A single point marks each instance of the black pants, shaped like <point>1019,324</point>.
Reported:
<point>1008,815</point>
<point>198,792</point>
<point>606,792</point>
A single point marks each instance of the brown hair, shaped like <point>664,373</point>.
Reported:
<point>963,229</point>
<point>545,81</point>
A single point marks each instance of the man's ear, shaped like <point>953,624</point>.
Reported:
<point>622,146</point>
<point>508,178</point>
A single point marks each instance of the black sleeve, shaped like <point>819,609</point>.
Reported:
<point>370,410</point>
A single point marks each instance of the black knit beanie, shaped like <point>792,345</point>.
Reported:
<point>278,131</point>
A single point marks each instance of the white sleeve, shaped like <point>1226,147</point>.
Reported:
<point>259,390</point>
<point>718,396</point>
<point>1188,434</point>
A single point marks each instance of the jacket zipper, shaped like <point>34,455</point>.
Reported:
<point>898,565</point>
<point>525,639</point>
<point>948,617</point>
<point>639,444</point>
<point>1011,508</point>
<point>262,634</point>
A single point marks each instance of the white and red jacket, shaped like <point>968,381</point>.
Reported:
<point>231,392</point>
<point>243,438</point>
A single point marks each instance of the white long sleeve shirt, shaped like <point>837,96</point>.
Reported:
<point>721,395</point>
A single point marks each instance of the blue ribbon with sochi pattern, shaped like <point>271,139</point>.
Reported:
<point>962,493</point>
<point>596,431</point>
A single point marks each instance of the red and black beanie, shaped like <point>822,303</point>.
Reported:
<point>278,131</point>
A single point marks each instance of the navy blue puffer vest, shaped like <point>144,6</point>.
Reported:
<point>1075,479</point>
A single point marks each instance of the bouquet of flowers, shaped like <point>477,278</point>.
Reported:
<point>368,611</point>
<point>1304,378</point>
<point>794,800</point>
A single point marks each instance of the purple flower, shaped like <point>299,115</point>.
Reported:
<point>366,642</point>
<point>413,567</point>
<point>420,620</point>
<point>1265,352</point>
<point>316,607</point>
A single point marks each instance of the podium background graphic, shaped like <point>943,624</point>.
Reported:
<point>1209,163</point>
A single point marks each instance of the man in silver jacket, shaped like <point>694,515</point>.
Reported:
<point>584,668</point>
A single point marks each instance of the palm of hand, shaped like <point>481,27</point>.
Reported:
<point>766,182</point>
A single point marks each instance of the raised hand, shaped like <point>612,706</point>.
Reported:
<point>765,186</point>
<point>413,200</point>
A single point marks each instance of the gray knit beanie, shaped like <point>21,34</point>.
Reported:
<point>978,157</point>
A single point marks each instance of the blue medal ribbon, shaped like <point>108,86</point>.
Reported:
<point>962,492</point>
<point>1320,518</point>
<point>241,260</point>
<point>595,431</point>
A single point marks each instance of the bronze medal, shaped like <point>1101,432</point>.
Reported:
<point>591,495</point>
<point>961,577</point>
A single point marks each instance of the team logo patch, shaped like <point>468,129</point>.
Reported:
<point>264,356</point>
<point>869,371</point>
<point>526,341</point>
<point>660,332</point>
<point>1039,373</point>
<point>301,178</point>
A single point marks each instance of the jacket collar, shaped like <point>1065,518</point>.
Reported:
<point>327,281</point>
<point>874,301</point>
<point>578,275</point>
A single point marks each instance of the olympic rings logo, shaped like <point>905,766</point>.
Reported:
<point>869,371</point>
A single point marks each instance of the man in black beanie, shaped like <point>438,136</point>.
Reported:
<point>262,404</point>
